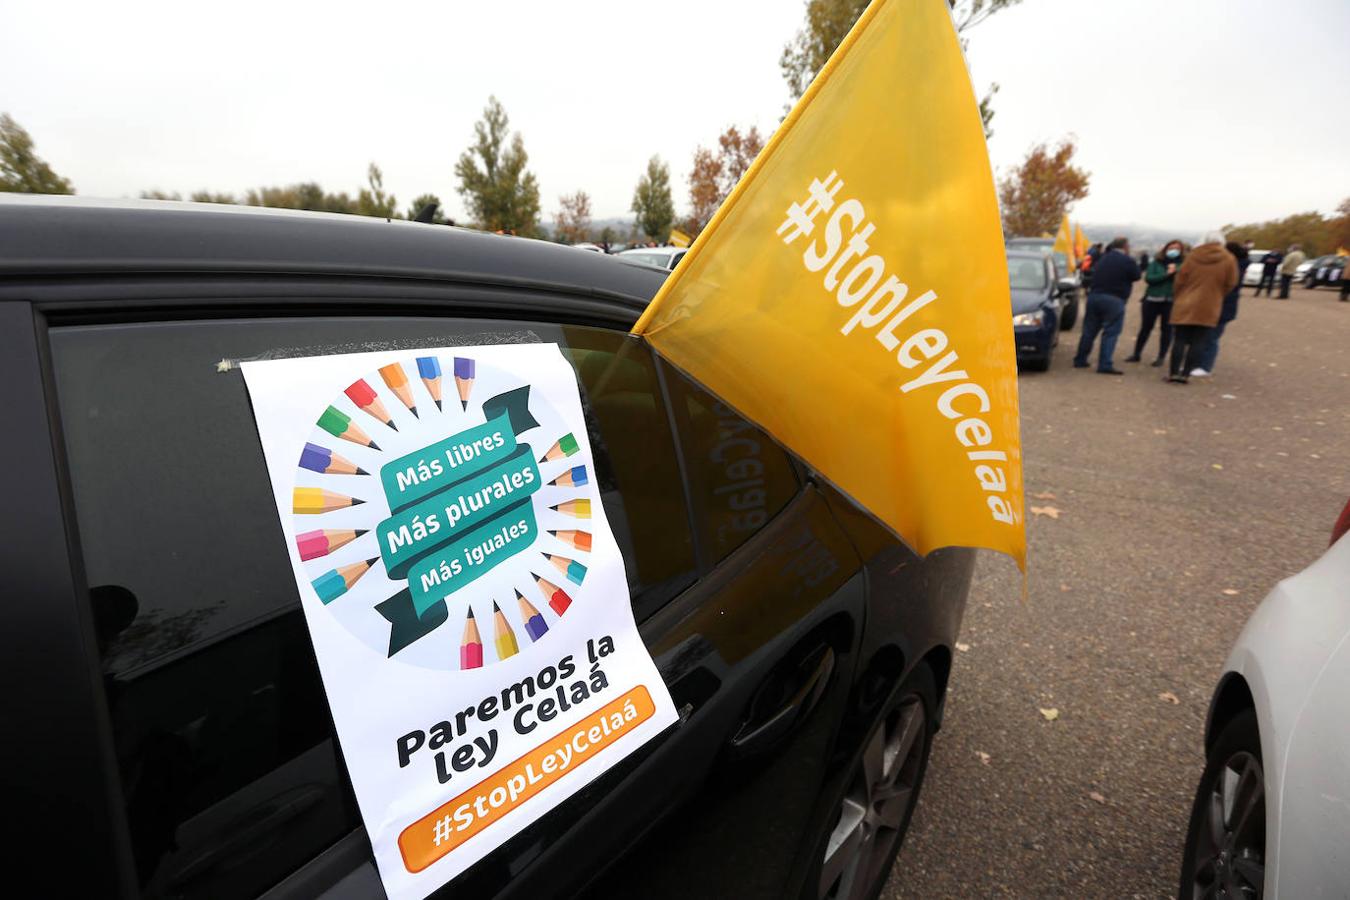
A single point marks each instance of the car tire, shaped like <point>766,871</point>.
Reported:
<point>1226,840</point>
<point>1069,316</point>
<point>1042,364</point>
<point>872,814</point>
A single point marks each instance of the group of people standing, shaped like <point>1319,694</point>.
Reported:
<point>1285,264</point>
<point>1191,296</point>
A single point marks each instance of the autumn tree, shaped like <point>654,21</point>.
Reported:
<point>500,193</point>
<point>828,21</point>
<point>573,219</point>
<point>373,201</point>
<point>156,194</point>
<point>653,203</point>
<point>1340,226</point>
<point>21,169</point>
<point>1034,197</point>
<point>1315,232</point>
<point>213,197</point>
<point>715,174</point>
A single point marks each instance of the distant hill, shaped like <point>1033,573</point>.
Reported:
<point>1142,237</point>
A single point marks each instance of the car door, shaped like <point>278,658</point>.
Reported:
<point>230,780</point>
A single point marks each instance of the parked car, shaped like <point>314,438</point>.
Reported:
<point>1046,245</point>
<point>1270,816</point>
<point>587,245</point>
<point>1038,298</point>
<point>168,733</point>
<point>661,257</point>
<point>1251,276</point>
<point>1325,271</point>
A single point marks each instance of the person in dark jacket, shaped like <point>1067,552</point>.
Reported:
<point>1270,264</point>
<point>1208,356</point>
<point>1113,276</point>
<point>1157,301</point>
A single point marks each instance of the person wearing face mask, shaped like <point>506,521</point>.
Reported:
<point>1157,302</point>
<point>1208,273</point>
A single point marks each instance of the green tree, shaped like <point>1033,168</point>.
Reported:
<point>156,194</point>
<point>1034,197</point>
<point>373,201</point>
<point>21,169</point>
<point>501,194</point>
<point>427,200</point>
<point>828,21</point>
<point>652,201</point>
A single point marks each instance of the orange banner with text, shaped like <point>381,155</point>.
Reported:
<point>451,824</point>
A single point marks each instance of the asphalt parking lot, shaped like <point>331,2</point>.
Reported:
<point>1072,742</point>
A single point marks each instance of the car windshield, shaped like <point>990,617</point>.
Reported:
<point>651,259</point>
<point>1026,273</point>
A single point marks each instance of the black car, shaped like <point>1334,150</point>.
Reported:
<point>1039,302</point>
<point>1325,271</point>
<point>167,732</point>
<point>1070,282</point>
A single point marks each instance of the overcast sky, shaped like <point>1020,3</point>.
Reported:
<point>1188,113</point>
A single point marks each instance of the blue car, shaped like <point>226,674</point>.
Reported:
<point>1038,301</point>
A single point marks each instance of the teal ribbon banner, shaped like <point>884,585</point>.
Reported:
<point>461,507</point>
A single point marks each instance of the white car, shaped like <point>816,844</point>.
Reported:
<point>661,257</point>
<point>1252,275</point>
<point>1271,817</point>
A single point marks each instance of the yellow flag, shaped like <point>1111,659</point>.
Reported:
<point>1080,242</point>
<point>851,295</point>
<point>1064,243</point>
<point>678,238</point>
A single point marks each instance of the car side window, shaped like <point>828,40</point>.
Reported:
<point>231,776</point>
<point>738,477</point>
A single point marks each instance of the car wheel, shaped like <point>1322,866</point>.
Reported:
<point>1042,364</point>
<point>1225,854</point>
<point>880,794</point>
<point>1069,316</point>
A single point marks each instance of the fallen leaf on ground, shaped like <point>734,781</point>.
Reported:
<point>1169,697</point>
<point>1044,495</point>
<point>1215,466</point>
<point>1063,588</point>
<point>962,647</point>
<point>984,757</point>
<point>1050,511</point>
<point>1050,714</point>
<point>1097,797</point>
<point>1229,397</point>
<point>1231,592</point>
<point>1160,431</point>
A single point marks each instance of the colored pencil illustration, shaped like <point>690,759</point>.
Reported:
<point>336,582</point>
<point>429,368</point>
<point>465,370</point>
<point>364,396</point>
<point>535,626</point>
<point>557,598</point>
<point>321,459</point>
<point>311,501</point>
<point>579,539</point>
<point>397,381</point>
<point>503,638</point>
<point>563,446</point>
<point>580,509</point>
<point>573,477</point>
<point>322,542</point>
<point>574,570</point>
<point>339,425</point>
<point>471,645</point>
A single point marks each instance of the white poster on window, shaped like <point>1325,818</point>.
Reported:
<point>465,595</point>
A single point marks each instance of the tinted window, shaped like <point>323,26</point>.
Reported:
<point>1026,273</point>
<point>738,477</point>
<point>230,774</point>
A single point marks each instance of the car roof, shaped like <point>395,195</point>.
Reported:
<point>1028,254</point>
<point>75,236</point>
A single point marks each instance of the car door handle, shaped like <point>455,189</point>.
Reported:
<point>762,732</point>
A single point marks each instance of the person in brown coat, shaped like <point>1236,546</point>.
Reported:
<point>1207,274</point>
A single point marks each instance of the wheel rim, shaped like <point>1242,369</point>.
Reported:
<point>1230,857</point>
<point>877,803</point>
